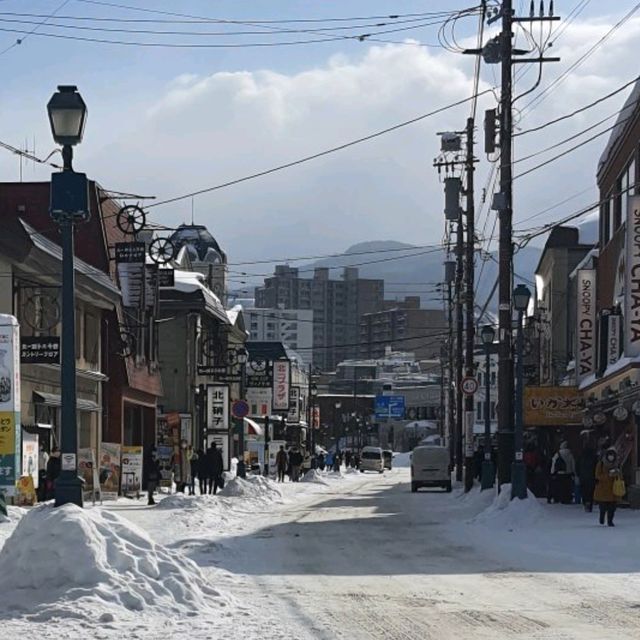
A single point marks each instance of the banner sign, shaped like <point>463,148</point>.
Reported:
<point>315,417</point>
<point>281,385</point>
<point>586,329</point>
<point>217,407</point>
<point>294,405</point>
<point>131,469</point>
<point>89,473</point>
<point>30,456</point>
<point>40,350</point>
<point>130,261</point>
<point>552,406</point>
<point>259,400</point>
<point>613,339</point>
<point>10,449</point>
<point>109,470</point>
<point>632,279</point>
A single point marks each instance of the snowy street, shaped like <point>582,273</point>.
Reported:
<point>360,557</point>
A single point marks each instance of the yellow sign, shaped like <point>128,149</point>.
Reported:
<point>552,406</point>
<point>7,433</point>
<point>26,491</point>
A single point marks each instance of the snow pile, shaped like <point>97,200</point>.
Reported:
<point>15,513</point>
<point>256,487</point>
<point>510,514</point>
<point>181,501</point>
<point>335,474</point>
<point>314,476</point>
<point>92,564</point>
<point>351,470</point>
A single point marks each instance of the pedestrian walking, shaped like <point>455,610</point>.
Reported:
<point>281,463</point>
<point>587,476</point>
<point>202,471</point>
<point>151,473</point>
<point>194,466</point>
<point>563,469</point>
<point>607,475</point>
<point>215,468</point>
<point>296,462</point>
<point>54,466</point>
<point>337,460</point>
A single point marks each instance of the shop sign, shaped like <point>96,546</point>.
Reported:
<point>613,339</point>
<point>217,407</point>
<point>586,329</point>
<point>30,456</point>
<point>89,473</point>
<point>109,470</point>
<point>259,399</point>
<point>281,385</point>
<point>10,449</point>
<point>294,405</point>
<point>131,469</point>
<point>130,262</point>
<point>552,406</point>
<point>315,417</point>
<point>632,279</point>
<point>40,350</point>
<point>166,278</point>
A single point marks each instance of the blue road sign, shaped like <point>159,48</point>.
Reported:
<point>389,407</point>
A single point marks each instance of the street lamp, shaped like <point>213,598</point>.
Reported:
<point>241,358</point>
<point>338,405</point>
<point>521,297</point>
<point>487,335</point>
<point>69,205</point>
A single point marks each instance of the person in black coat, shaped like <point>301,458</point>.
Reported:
<point>54,466</point>
<point>215,468</point>
<point>151,471</point>
<point>202,471</point>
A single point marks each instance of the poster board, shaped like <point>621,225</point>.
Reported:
<point>30,456</point>
<point>109,470</point>
<point>88,471</point>
<point>131,470</point>
<point>10,449</point>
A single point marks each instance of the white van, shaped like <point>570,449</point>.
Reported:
<point>430,467</point>
<point>371,459</point>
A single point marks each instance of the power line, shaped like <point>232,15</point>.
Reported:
<point>321,153</point>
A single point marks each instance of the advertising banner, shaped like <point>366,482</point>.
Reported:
<point>281,385</point>
<point>131,469</point>
<point>315,417</point>
<point>613,339</point>
<point>294,405</point>
<point>552,406</point>
<point>586,329</point>
<point>259,399</point>
<point>632,280</point>
<point>109,470</point>
<point>30,456</point>
<point>130,261</point>
<point>10,449</point>
<point>89,473</point>
<point>217,407</point>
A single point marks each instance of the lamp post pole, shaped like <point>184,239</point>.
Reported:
<point>69,204</point>
<point>521,296</point>
<point>241,357</point>
<point>488,474</point>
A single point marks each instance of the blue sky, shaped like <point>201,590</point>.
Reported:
<point>168,121</point>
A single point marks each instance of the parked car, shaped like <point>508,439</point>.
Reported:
<point>430,467</point>
<point>371,459</point>
<point>387,455</point>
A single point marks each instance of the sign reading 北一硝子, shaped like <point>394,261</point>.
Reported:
<point>586,318</point>
<point>632,280</point>
<point>552,406</point>
<point>10,446</point>
<point>294,405</point>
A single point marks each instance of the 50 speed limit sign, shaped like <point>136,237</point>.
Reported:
<point>469,385</point>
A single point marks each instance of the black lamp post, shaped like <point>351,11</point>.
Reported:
<point>521,297</point>
<point>487,335</point>
<point>337,405</point>
<point>69,205</point>
<point>241,358</point>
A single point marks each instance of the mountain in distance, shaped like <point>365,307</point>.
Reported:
<point>417,274</point>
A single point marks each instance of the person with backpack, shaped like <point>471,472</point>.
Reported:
<point>563,470</point>
<point>609,485</point>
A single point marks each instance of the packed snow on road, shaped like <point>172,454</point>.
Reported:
<point>340,555</point>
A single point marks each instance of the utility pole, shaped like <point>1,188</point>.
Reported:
<point>459,342</point>
<point>469,303</point>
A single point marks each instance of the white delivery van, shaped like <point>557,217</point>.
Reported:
<point>371,459</point>
<point>430,467</point>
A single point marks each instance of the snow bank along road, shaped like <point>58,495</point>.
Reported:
<point>354,557</point>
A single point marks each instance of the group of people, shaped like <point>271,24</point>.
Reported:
<point>289,464</point>
<point>595,477</point>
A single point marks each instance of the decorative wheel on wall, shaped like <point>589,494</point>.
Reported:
<point>162,250</point>
<point>41,312</point>
<point>131,219</point>
<point>258,364</point>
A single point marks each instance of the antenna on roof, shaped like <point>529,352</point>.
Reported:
<point>192,222</point>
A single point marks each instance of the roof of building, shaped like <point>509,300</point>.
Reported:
<point>193,282</point>
<point>200,244</point>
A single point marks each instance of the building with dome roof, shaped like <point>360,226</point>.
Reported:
<point>198,250</point>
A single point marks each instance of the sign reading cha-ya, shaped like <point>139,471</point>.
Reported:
<point>632,279</point>
<point>586,329</point>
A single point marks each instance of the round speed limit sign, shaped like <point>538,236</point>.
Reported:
<point>469,385</point>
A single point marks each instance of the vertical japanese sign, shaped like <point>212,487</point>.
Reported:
<point>613,339</point>
<point>586,329</point>
<point>315,417</point>
<point>218,407</point>
<point>10,447</point>
<point>130,261</point>
<point>294,405</point>
<point>632,280</point>
<point>281,385</point>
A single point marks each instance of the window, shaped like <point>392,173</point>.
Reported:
<point>493,410</point>
<point>480,378</point>
<point>493,378</point>
<point>91,339</point>
<point>478,410</point>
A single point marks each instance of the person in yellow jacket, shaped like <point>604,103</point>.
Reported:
<point>607,472</point>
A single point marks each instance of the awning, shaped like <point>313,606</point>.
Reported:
<point>253,427</point>
<point>54,400</point>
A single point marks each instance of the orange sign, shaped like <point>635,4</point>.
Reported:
<point>552,406</point>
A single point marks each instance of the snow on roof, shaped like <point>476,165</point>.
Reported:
<point>233,313</point>
<point>193,281</point>
<point>582,264</point>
